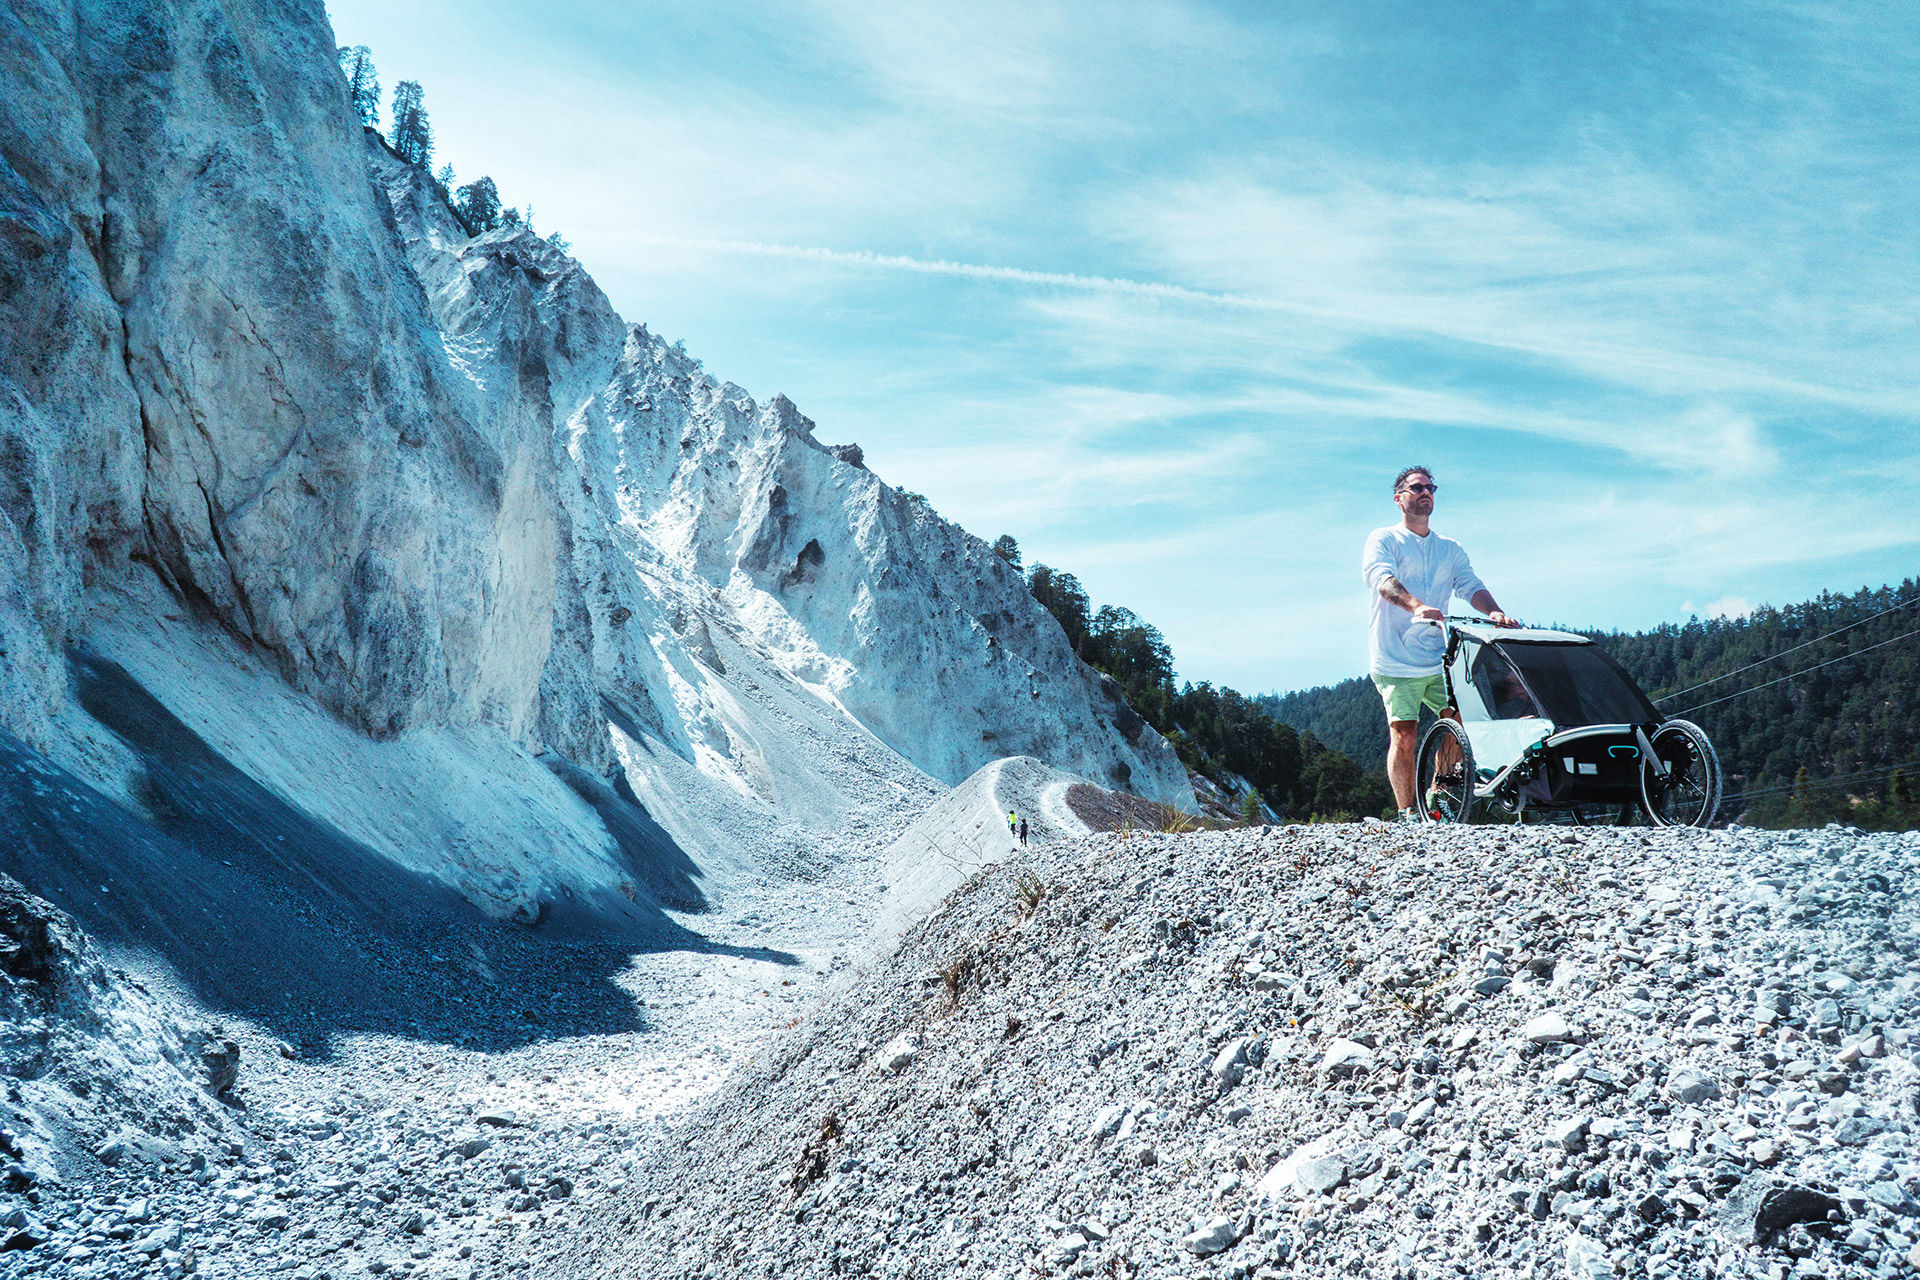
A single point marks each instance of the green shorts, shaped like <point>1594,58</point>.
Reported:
<point>1404,694</point>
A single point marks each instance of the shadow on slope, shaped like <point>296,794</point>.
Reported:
<point>647,851</point>
<point>268,912</point>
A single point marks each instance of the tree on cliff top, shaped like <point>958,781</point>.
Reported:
<point>479,205</point>
<point>412,136</point>
<point>1061,595</point>
<point>363,83</point>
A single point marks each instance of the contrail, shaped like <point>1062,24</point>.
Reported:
<point>981,271</point>
<point>1604,358</point>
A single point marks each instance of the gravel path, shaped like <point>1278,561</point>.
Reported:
<point>1369,1050</point>
<point>386,1155</point>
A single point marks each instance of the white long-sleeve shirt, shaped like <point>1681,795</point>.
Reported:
<point>1432,568</point>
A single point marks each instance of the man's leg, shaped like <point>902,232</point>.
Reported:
<point>1400,751</point>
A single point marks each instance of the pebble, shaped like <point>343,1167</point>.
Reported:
<point>1548,1028</point>
<point>1688,1087</point>
<point>1343,1058</point>
<point>1214,1236</point>
<point>1569,1134</point>
<point>1597,1109</point>
<point>898,1053</point>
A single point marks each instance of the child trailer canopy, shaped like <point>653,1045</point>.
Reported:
<point>1550,724</point>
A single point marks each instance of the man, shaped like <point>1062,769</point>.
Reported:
<point>1412,571</point>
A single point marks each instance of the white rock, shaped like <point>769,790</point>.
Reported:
<point>1573,1068</point>
<point>1689,1086</point>
<point>1344,1057</point>
<point>898,1053</point>
<point>1569,1134</point>
<point>1230,1064</point>
<point>1312,1169</point>
<point>1586,1258</point>
<point>1548,1028</point>
<point>1216,1235</point>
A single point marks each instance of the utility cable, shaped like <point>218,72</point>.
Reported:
<point>1794,675</point>
<point>1784,652</point>
<point>1875,773</point>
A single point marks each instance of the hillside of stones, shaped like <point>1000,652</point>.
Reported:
<point>1372,1050</point>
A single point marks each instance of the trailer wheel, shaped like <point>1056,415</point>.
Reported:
<point>1443,773</point>
<point>1689,795</point>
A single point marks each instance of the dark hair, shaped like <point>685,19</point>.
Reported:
<point>1411,471</point>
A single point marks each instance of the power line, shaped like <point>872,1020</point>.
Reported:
<point>1784,652</point>
<point>1904,635</point>
<point>1879,771</point>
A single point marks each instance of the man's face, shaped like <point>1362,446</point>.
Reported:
<point>1415,495</point>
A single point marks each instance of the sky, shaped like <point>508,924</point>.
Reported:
<point>1170,291</point>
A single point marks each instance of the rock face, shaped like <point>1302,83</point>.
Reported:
<point>434,481</point>
<point>739,520</point>
<point>97,1067</point>
<point>218,362</point>
<point>909,622</point>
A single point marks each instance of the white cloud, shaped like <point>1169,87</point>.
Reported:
<point>1616,273</point>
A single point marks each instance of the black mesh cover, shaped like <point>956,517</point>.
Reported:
<point>1578,684</point>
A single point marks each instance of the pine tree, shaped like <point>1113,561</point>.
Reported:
<point>1062,596</point>
<point>479,205</point>
<point>412,136</point>
<point>363,83</point>
<point>1899,813</point>
<point>1802,808</point>
<point>1250,809</point>
<point>1007,549</point>
<point>443,182</point>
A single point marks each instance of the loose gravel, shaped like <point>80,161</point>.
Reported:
<point>383,1155</point>
<point>1348,1050</point>
<point>1375,1050</point>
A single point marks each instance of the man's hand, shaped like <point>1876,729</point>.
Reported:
<point>1483,601</point>
<point>1427,613</point>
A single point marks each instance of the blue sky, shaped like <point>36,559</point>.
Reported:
<point>1169,291</point>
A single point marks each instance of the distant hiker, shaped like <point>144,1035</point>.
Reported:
<point>1013,823</point>
<point>1023,831</point>
<point>1412,572</point>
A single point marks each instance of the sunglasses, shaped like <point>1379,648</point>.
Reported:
<point>1421,488</point>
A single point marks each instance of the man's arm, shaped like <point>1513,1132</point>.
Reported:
<point>1483,601</point>
<point>1394,592</point>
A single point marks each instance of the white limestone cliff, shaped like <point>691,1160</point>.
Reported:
<point>737,519</point>
<point>218,363</point>
<point>436,485</point>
